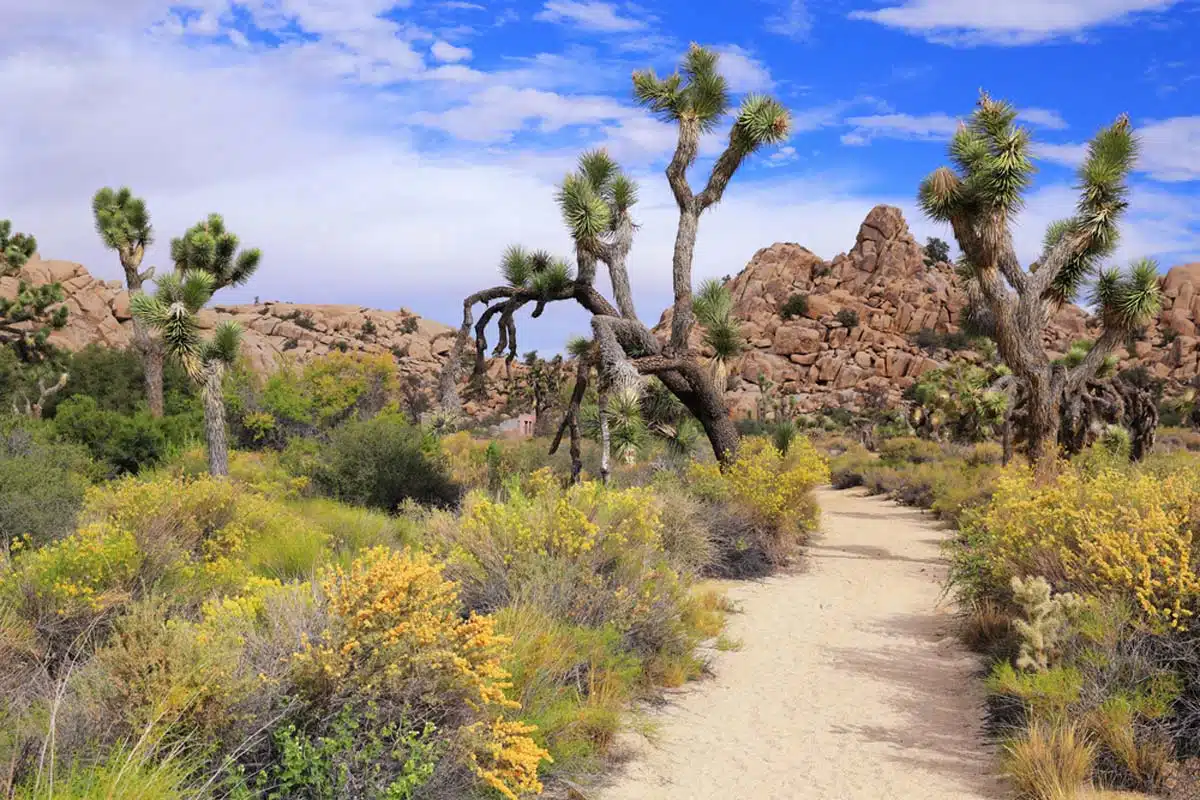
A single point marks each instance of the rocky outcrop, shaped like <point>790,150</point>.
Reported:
<point>856,340</point>
<point>98,312</point>
<point>859,337</point>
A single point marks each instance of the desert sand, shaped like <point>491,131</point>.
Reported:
<point>850,684</point>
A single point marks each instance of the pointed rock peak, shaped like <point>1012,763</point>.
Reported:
<point>883,223</point>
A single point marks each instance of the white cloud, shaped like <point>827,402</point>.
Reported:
<point>344,215</point>
<point>498,112</point>
<point>1044,118</point>
<point>1170,150</point>
<point>448,53</point>
<point>792,20</point>
<point>589,15</point>
<point>1014,22</point>
<point>925,127</point>
<point>744,72</point>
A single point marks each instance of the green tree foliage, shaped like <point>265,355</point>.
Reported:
<point>124,443</point>
<point>26,320</point>
<point>795,306</point>
<point>936,251</point>
<point>42,483</point>
<point>957,402</point>
<point>113,378</point>
<point>381,462</point>
<point>209,247</point>
<point>980,196</point>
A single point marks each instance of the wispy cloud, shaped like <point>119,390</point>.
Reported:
<point>925,127</point>
<point>1010,23</point>
<point>743,71</point>
<point>1044,118</point>
<point>791,19</point>
<point>589,15</point>
<point>448,53</point>
<point>1170,150</point>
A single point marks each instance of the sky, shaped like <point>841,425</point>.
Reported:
<point>385,153</point>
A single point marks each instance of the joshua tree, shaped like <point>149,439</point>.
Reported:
<point>208,247</point>
<point>980,197</point>
<point>713,306</point>
<point>124,226</point>
<point>596,201</point>
<point>27,319</point>
<point>171,313</point>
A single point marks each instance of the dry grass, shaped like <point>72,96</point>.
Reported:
<point>1049,762</point>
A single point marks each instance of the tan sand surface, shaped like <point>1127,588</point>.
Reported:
<point>850,684</point>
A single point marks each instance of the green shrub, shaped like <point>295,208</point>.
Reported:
<point>115,380</point>
<point>795,306</point>
<point>848,317</point>
<point>126,443</point>
<point>383,462</point>
<point>41,485</point>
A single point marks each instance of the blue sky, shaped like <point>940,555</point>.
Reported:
<point>384,153</point>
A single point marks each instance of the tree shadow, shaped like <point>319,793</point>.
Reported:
<point>866,553</point>
<point>938,730</point>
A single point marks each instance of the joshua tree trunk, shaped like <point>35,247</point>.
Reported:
<point>152,356</point>
<point>1044,420</point>
<point>605,439</point>
<point>214,418</point>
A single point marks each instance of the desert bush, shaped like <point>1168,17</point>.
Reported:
<point>1049,761</point>
<point>114,379</point>
<point>397,640</point>
<point>848,317</point>
<point>847,470</point>
<point>1115,531</point>
<point>910,450</point>
<point>382,462</point>
<point>42,484</point>
<point>311,399</point>
<point>126,443</point>
<point>795,306</point>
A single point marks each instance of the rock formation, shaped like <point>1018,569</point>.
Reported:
<point>819,357</point>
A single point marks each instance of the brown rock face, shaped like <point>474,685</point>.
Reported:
<point>883,279</point>
<point>99,313</point>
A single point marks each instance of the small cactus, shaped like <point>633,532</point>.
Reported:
<point>1046,619</point>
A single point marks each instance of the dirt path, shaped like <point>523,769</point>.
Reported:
<point>849,686</point>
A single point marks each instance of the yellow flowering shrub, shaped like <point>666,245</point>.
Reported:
<point>81,574</point>
<point>396,635</point>
<point>1113,531</point>
<point>777,489</point>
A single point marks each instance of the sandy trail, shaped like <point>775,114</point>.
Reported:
<point>850,684</point>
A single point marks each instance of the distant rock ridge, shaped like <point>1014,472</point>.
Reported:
<point>815,357</point>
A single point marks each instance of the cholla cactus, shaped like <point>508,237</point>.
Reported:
<point>980,197</point>
<point>1046,619</point>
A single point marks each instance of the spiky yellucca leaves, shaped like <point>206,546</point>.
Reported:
<point>537,271</point>
<point>992,170</point>
<point>121,219</point>
<point>207,246</point>
<point>171,311</point>
<point>700,94</point>
<point>1127,301</point>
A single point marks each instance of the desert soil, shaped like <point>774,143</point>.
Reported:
<point>850,683</point>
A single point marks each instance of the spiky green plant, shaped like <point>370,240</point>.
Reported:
<point>722,331</point>
<point>172,313</point>
<point>123,223</point>
<point>596,201</point>
<point>980,196</point>
<point>208,247</point>
<point>28,319</point>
